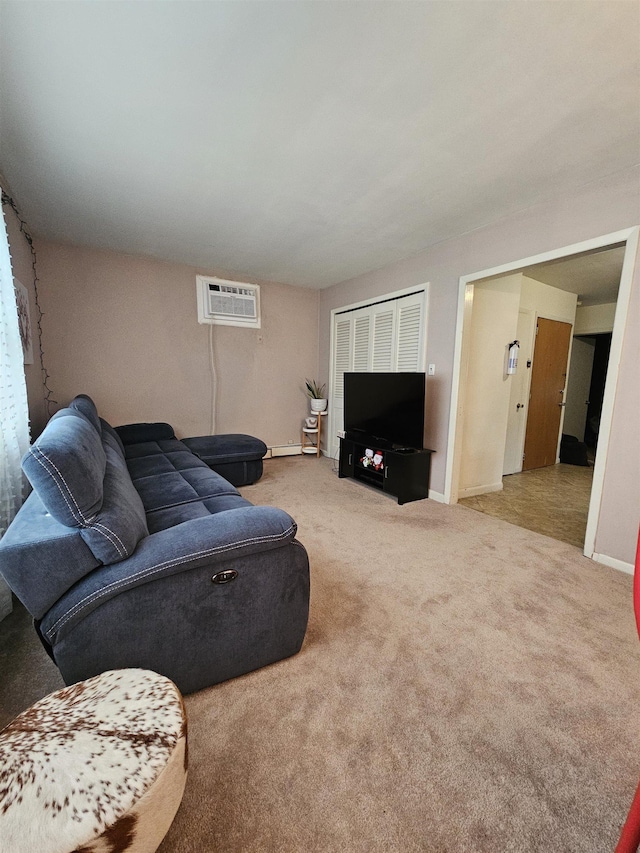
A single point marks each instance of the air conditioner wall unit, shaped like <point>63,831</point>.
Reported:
<point>228,303</point>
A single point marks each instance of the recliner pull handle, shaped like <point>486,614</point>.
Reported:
<point>225,576</point>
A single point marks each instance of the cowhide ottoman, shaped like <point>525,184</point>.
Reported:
<point>98,767</point>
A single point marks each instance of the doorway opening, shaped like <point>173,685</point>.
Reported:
<point>489,413</point>
<point>553,500</point>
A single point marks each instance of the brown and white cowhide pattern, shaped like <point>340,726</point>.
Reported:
<point>98,767</point>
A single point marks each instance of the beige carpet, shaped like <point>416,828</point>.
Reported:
<point>465,685</point>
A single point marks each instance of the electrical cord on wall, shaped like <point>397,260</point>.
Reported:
<point>214,382</point>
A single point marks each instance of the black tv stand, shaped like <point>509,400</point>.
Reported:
<point>401,471</point>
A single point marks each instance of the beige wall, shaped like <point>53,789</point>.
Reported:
<point>547,301</point>
<point>494,322</point>
<point>124,330</point>
<point>22,267</point>
<point>598,208</point>
<point>595,319</point>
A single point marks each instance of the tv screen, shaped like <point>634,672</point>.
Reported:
<point>387,407</point>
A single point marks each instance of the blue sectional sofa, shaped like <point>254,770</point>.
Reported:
<point>135,553</point>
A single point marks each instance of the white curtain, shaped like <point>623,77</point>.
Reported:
<point>14,412</point>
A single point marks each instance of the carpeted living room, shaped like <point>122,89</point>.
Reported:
<point>464,684</point>
<point>215,212</point>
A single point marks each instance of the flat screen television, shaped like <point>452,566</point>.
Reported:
<point>386,409</point>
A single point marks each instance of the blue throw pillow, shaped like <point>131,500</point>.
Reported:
<point>66,467</point>
<point>140,433</point>
<point>110,436</point>
<point>121,522</point>
<point>85,405</point>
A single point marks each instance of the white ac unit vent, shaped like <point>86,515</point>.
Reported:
<point>228,303</point>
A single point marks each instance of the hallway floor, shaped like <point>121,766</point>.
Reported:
<point>552,500</point>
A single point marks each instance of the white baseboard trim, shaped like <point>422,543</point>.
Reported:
<point>613,563</point>
<point>286,450</point>
<point>438,497</point>
<point>472,491</point>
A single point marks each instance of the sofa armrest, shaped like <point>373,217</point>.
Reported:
<point>202,541</point>
<point>139,433</point>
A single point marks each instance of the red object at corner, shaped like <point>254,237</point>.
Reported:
<point>630,836</point>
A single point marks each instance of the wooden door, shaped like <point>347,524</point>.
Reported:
<point>548,380</point>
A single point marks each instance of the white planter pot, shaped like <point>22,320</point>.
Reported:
<point>318,405</point>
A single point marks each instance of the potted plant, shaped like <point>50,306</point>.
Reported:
<point>315,392</point>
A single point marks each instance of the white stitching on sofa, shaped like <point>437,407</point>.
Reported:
<point>123,552</point>
<point>106,533</point>
<point>151,570</point>
<point>84,521</point>
<point>77,515</point>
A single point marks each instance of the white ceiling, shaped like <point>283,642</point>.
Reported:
<point>594,276</point>
<point>307,142</point>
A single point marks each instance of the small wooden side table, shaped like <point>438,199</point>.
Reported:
<point>311,435</point>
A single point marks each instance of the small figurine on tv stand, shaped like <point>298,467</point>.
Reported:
<point>372,459</point>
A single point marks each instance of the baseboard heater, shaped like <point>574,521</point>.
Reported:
<point>284,450</point>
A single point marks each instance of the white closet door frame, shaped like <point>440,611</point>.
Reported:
<point>332,440</point>
<point>346,349</point>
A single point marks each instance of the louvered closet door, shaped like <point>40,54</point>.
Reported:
<point>386,337</point>
<point>362,341</point>
<point>410,349</point>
